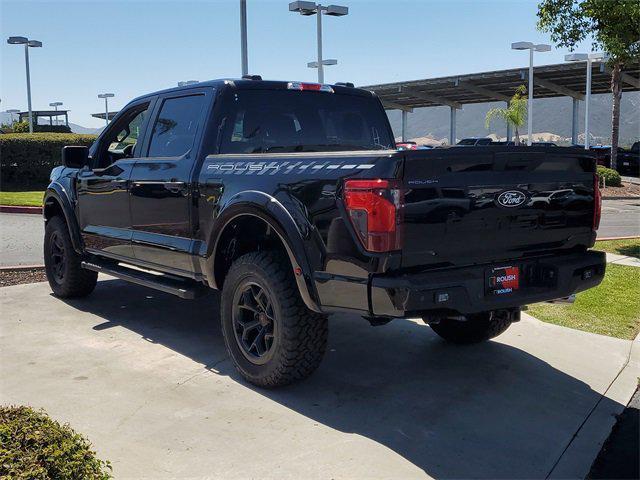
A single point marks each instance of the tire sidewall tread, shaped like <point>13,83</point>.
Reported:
<point>302,334</point>
<point>77,281</point>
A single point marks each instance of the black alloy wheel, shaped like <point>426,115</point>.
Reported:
<point>58,257</point>
<point>254,322</point>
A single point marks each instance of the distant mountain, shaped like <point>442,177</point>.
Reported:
<point>80,129</point>
<point>550,116</point>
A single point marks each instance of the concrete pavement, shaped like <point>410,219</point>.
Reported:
<point>623,260</point>
<point>21,235</point>
<point>145,376</point>
<point>620,218</point>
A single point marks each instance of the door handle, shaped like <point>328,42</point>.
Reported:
<point>174,187</point>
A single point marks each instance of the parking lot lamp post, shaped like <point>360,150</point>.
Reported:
<point>532,47</point>
<point>27,44</point>
<point>589,58</point>
<point>244,58</point>
<point>311,8</point>
<point>55,105</point>
<point>106,97</point>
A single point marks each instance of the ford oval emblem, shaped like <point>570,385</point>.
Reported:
<point>511,198</point>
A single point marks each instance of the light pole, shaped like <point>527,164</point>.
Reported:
<point>589,58</point>
<point>33,44</point>
<point>243,37</point>
<point>55,105</point>
<point>311,8</point>
<point>106,96</point>
<point>532,47</point>
<point>11,112</point>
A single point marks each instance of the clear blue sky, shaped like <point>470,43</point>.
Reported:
<point>134,47</point>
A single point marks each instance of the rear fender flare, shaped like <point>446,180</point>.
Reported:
<point>274,214</point>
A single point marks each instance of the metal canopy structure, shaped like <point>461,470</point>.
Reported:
<point>101,115</point>
<point>51,114</point>
<point>564,79</point>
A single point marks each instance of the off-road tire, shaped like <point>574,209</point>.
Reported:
<point>71,280</point>
<point>300,335</point>
<point>476,328</point>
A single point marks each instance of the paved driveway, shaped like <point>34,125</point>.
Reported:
<point>146,377</point>
<point>620,218</point>
<point>21,239</point>
<point>21,235</point>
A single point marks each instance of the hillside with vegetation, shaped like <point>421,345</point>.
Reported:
<point>551,117</point>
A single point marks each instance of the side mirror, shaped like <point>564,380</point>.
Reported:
<point>75,156</point>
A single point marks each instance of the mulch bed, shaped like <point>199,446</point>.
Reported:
<point>20,276</point>
<point>626,190</point>
<point>619,455</point>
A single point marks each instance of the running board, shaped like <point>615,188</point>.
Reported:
<point>169,284</point>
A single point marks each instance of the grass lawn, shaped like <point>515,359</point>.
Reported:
<point>30,199</point>
<point>629,247</point>
<point>612,308</point>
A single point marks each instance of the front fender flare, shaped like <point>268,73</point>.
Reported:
<point>57,193</point>
<point>273,213</point>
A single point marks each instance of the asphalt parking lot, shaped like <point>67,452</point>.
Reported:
<point>21,235</point>
<point>145,376</point>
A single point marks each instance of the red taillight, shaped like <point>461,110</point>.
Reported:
<point>597,201</point>
<point>374,208</point>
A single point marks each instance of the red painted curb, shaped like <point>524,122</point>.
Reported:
<point>20,209</point>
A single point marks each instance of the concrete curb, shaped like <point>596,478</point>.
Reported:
<point>20,209</point>
<point>21,267</point>
<point>582,451</point>
<point>617,238</point>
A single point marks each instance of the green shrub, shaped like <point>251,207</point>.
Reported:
<point>26,159</point>
<point>611,177</point>
<point>23,127</point>
<point>33,446</point>
<point>20,127</point>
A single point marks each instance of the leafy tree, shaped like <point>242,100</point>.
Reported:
<point>614,26</point>
<point>515,114</point>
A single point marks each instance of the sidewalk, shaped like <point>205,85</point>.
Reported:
<point>622,259</point>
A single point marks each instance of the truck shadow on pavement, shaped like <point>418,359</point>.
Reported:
<point>483,411</point>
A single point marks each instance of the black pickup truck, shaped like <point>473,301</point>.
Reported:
<point>292,200</point>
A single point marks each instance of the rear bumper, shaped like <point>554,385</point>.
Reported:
<point>464,289</point>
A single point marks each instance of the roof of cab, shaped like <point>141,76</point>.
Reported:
<point>246,84</point>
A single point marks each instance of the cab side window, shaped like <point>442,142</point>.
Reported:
<point>129,134</point>
<point>175,128</point>
<point>121,140</point>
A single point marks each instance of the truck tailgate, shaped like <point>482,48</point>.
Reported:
<point>485,204</point>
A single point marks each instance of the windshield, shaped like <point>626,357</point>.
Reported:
<point>262,121</point>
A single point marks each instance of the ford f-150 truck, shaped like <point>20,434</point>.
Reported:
<point>292,199</point>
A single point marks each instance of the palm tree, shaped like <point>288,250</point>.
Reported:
<point>515,114</point>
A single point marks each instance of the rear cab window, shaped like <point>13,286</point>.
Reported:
<point>276,121</point>
<point>175,129</point>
